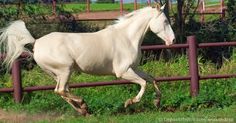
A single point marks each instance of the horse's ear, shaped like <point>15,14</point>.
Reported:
<point>163,7</point>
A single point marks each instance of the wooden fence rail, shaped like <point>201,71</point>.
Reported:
<point>193,76</point>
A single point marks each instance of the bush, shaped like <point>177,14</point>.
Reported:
<point>231,8</point>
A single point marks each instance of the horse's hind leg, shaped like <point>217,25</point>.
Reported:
<point>62,89</point>
<point>151,79</point>
<point>157,101</point>
<point>133,77</point>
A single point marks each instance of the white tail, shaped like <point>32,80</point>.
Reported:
<point>12,41</point>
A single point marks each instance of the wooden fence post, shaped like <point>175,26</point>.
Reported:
<point>135,5</point>
<point>54,7</point>
<point>16,78</point>
<point>121,7</point>
<point>149,2</point>
<point>193,66</point>
<point>170,4</point>
<point>88,5</point>
<point>222,9</point>
<point>202,11</point>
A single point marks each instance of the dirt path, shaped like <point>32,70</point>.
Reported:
<point>13,117</point>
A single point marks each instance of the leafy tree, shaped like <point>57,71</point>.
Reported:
<point>232,9</point>
<point>186,10</point>
<point>231,5</point>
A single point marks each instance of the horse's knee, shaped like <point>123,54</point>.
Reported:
<point>143,84</point>
<point>59,92</point>
<point>61,88</point>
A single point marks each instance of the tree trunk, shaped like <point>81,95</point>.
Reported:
<point>19,8</point>
<point>180,21</point>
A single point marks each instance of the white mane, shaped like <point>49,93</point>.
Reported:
<point>135,13</point>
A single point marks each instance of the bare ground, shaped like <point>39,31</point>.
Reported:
<point>22,117</point>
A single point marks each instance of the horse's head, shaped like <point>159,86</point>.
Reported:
<point>160,25</point>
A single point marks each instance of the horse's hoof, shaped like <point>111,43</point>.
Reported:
<point>83,106</point>
<point>157,102</point>
<point>128,102</point>
<point>83,112</point>
<point>86,114</point>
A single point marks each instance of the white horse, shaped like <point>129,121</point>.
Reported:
<point>114,50</point>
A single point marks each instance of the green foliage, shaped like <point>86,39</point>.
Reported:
<point>105,1</point>
<point>231,8</point>
<point>7,14</point>
<point>80,1</point>
<point>213,31</point>
<point>32,10</point>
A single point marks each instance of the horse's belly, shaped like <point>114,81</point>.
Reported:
<point>106,70</point>
<point>97,68</point>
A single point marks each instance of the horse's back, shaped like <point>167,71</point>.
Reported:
<point>91,51</point>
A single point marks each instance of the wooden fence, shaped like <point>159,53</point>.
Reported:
<point>193,76</point>
<point>201,6</point>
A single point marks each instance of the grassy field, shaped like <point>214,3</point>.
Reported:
<point>99,7</point>
<point>226,115</point>
<point>209,115</point>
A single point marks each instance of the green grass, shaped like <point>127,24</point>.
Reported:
<point>214,3</point>
<point>216,100</point>
<point>109,100</point>
<point>208,115</point>
<point>98,7</point>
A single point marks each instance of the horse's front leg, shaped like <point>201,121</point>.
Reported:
<point>133,77</point>
<point>155,83</point>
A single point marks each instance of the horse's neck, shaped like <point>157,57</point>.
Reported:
<point>135,29</point>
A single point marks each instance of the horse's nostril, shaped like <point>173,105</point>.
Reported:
<point>174,40</point>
